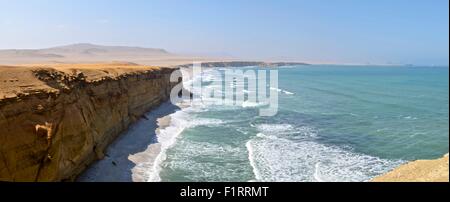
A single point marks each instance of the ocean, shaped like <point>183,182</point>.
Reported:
<point>334,123</point>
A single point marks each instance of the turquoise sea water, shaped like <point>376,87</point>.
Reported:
<point>334,123</point>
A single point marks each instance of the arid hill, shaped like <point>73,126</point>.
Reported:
<point>90,53</point>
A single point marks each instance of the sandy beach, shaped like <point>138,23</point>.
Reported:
<point>133,152</point>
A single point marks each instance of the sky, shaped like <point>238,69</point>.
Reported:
<point>316,31</point>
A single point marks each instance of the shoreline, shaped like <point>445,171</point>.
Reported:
<point>130,156</point>
<point>132,151</point>
<point>167,133</point>
<point>103,100</point>
<point>147,162</point>
<point>159,119</point>
<point>56,120</point>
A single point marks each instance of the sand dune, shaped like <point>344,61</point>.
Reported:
<point>90,53</point>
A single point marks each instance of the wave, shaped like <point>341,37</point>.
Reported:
<point>252,160</point>
<point>275,128</point>
<point>410,117</point>
<point>282,91</point>
<point>274,157</point>
<point>288,93</point>
<point>205,161</point>
<point>248,104</point>
<point>286,131</point>
<point>167,137</point>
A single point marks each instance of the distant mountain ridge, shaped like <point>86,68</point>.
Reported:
<point>92,53</point>
<point>83,49</point>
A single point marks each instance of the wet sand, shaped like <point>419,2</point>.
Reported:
<point>127,159</point>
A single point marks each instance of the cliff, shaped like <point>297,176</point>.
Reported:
<point>55,120</point>
<point>418,171</point>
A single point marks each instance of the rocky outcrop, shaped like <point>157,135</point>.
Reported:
<point>54,133</point>
<point>418,171</point>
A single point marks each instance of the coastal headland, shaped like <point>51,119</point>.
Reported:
<point>56,119</point>
<point>59,116</point>
<point>418,171</point>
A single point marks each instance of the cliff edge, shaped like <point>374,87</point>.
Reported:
<point>419,171</point>
<point>57,119</point>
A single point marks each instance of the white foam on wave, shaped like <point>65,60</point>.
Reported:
<point>410,117</point>
<point>286,129</point>
<point>262,135</point>
<point>167,137</point>
<point>317,174</point>
<point>179,121</point>
<point>275,128</point>
<point>252,160</point>
<point>205,161</point>
<point>282,91</point>
<point>248,104</point>
<point>274,158</point>
<point>277,89</point>
<point>205,121</point>
<point>288,93</point>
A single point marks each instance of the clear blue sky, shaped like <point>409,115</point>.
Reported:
<point>343,31</point>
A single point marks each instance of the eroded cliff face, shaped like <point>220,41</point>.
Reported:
<point>54,133</point>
